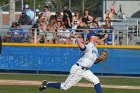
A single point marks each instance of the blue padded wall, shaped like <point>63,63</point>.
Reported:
<point>120,61</point>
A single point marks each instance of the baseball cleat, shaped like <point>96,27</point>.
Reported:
<point>43,85</point>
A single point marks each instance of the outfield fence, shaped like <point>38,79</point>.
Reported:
<point>122,60</point>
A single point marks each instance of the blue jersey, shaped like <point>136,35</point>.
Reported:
<point>17,31</point>
<point>109,39</point>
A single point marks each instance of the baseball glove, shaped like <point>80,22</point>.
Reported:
<point>102,57</point>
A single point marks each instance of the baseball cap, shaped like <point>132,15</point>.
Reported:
<point>37,10</point>
<point>26,6</point>
<point>92,34</point>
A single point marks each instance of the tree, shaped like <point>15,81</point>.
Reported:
<point>3,2</point>
<point>94,6</point>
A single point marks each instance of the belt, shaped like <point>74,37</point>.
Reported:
<point>84,68</point>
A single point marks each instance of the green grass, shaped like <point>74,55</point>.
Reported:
<point>34,89</point>
<point>18,89</point>
<point>49,77</point>
<point>120,81</point>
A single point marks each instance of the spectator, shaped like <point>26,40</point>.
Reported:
<point>37,12</point>
<point>58,16</point>
<point>50,33</point>
<point>106,15</point>
<point>6,38</point>
<point>46,14</point>
<point>42,30</point>
<point>108,32</point>
<point>52,19</point>
<point>108,27</point>
<point>29,12</point>
<point>64,35</point>
<point>32,34</point>
<point>96,19</point>
<point>87,18</point>
<point>76,19</point>
<point>58,28</point>
<point>59,25</point>
<point>17,33</point>
<point>24,19</point>
<point>42,26</point>
<point>111,14</point>
<point>67,18</point>
<point>95,28</point>
<point>40,18</point>
<point>82,29</point>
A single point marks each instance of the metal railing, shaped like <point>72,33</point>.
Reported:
<point>131,37</point>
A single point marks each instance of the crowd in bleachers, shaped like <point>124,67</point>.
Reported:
<point>56,29</point>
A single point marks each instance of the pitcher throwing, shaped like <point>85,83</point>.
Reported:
<point>81,68</point>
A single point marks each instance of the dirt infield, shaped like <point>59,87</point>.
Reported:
<point>37,83</point>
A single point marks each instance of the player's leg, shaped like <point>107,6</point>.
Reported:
<point>74,77</point>
<point>88,75</point>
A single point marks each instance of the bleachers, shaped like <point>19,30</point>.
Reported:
<point>123,25</point>
<point>126,30</point>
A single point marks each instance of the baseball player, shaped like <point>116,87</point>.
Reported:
<point>81,68</point>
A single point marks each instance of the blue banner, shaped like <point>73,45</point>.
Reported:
<point>119,61</point>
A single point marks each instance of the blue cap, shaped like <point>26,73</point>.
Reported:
<point>92,34</point>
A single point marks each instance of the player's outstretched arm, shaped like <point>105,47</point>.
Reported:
<point>80,44</point>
